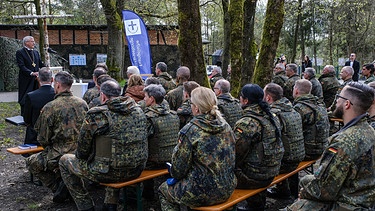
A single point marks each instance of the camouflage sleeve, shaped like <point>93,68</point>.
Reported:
<point>331,174</point>
<point>150,128</point>
<point>43,126</point>
<point>242,142</point>
<point>182,157</point>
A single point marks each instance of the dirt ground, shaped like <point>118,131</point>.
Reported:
<point>18,193</point>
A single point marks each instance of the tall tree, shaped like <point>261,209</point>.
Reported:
<point>115,57</point>
<point>236,17</point>
<point>270,41</point>
<point>226,38</point>
<point>190,40</point>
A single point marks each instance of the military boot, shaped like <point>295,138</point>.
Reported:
<point>280,191</point>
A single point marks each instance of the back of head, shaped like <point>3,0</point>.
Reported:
<point>64,78</point>
<point>104,78</point>
<point>274,90</point>
<point>102,65</point>
<point>156,91</point>
<point>310,72</point>
<point>99,71</point>
<point>189,86</point>
<point>135,80</point>
<point>133,70</point>
<point>223,85</point>
<point>253,93</point>
<point>45,75</point>
<point>183,73</point>
<point>293,67</point>
<point>304,86</point>
<point>329,68</point>
<point>152,80</point>
<point>206,101</point>
<point>162,66</point>
<point>361,96</point>
<point>111,88</point>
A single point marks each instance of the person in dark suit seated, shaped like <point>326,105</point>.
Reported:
<point>355,65</point>
<point>34,102</point>
<point>29,62</point>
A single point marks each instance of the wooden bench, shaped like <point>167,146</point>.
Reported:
<point>241,194</point>
<point>340,121</point>
<point>18,151</point>
<point>145,175</point>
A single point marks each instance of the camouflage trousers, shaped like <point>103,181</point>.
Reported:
<point>74,170</point>
<point>47,171</point>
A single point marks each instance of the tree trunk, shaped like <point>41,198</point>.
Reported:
<point>295,38</point>
<point>226,44</point>
<point>270,40</point>
<point>249,49</point>
<point>190,40</point>
<point>115,38</point>
<point>41,30</point>
<point>236,17</point>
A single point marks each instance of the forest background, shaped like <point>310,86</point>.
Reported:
<point>252,33</point>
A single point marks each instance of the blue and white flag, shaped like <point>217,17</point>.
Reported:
<point>138,42</point>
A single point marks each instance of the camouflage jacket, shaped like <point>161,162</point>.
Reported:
<point>291,130</point>
<point>203,162</point>
<point>258,151</point>
<point>346,172</point>
<point>369,79</point>
<point>163,126</point>
<point>175,97</point>
<point>95,102</point>
<point>90,94</point>
<point>315,124</point>
<point>114,136</point>
<point>230,108</point>
<point>371,121</point>
<point>288,88</point>
<point>166,81</point>
<point>317,89</point>
<point>280,78</point>
<point>214,79</point>
<point>184,113</point>
<point>330,85</point>
<point>59,123</point>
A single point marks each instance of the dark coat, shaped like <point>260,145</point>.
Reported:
<point>356,66</point>
<point>34,102</point>
<point>26,82</point>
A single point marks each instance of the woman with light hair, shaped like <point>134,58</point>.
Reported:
<point>203,160</point>
<point>135,88</point>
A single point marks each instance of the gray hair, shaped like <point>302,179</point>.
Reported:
<point>151,80</point>
<point>155,90</point>
<point>64,78</point>
<point>133,70</point>
<point>111,88</point>
<point>45,74</point>
<point>304,86</point>
<point>310,71</point>
<point>281,66</point>
<point>330,68</point>
<point>293,67</point>
<point>223,85</point>
<point>162,66</point>
<point>25,39</point>
<point>348,69</point>
<point>218,69</point>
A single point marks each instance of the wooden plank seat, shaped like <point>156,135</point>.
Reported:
<point>18,151</point>
<point>241,194</point>
<point>145,175</point>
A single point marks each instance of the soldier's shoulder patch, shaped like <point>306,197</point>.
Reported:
<point>333,150</point>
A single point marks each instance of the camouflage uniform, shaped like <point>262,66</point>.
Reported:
<point>162,127</point>
<point>203,163</point>
<point>215,78</point>
<point>345,179</point>
<point>230,108</point>
<point>258,152</point>
<point>142,104</point>
<point>317,90</point>
<point>369,79</point>
<point>58,129</point>
<point>292,134</point>
<point>184,113</point>
<point>280,78</point>
<point>175,97</point>
<point>90,94</point>
<point>288,88</point>
<point>330,85</point>
<point>371,121</point>
<point>112,147</point>
<point>166,81</point>
<point>315,125</point>
<point>95,102</point>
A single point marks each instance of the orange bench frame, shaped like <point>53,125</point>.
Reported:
<point>18,151</point>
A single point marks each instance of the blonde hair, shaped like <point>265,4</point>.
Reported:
<point>135,80</point>
<point>206,101</point>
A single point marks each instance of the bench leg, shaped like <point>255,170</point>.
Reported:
<point>125,196</point>
<point>139,197</point>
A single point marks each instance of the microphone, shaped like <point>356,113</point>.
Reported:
<point>51,51</point>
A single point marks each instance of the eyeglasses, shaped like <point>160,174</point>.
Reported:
<point>338,96</point>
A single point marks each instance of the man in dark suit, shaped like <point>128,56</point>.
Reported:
<point>355,65</point>
<point>34,102</point>
<point>29,62</point>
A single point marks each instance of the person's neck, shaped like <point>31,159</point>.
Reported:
<point>348,116</point>
<point>371,111</point>
<point>45,84</point>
